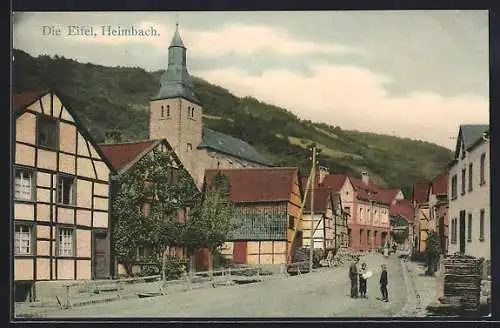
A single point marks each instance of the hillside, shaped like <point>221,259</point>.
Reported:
<point>118,97</point>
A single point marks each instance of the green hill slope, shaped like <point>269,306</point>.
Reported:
<point>118,97</point>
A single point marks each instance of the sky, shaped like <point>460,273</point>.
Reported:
<point>413,74</point>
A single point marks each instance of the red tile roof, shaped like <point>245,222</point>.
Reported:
<point>440,184</point>
<point>331,181</point>
<point>124,153</point>
<point>369,191</point>
<point>20,100</point>
<point>320,200</point>
<point>421,193</point>
<point>257,184</point>
<point>403,207</point>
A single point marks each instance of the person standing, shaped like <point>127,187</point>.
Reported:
<point>384,283</point>
<point>362,281</point>
<point>353,276</point>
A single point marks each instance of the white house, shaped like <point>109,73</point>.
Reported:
<point>469,193</point>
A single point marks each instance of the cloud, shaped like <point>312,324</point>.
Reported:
<point>356,98</point>
<point>251,39</point>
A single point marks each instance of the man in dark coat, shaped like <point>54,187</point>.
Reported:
<point>383,284</point>
<point>353,276</point>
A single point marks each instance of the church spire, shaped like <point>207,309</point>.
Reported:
<point>176,81</point>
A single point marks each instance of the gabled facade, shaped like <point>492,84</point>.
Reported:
<point>176,115</point>
<point>61,194</point>
<point>402,214</point>
<point>367,207</point>
<point>123,157</point>
<point>469,192</point>
<point>268,202</point>
<point>422,221</point>
<point>438,208</point>
<point>323,218</point>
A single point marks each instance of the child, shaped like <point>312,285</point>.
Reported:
<point>383,284</point>
<point>362,281</point>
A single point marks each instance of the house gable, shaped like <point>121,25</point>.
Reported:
<point>73,137</point>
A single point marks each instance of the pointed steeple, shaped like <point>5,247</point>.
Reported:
<point>176,40</point>
<point>176,82</point>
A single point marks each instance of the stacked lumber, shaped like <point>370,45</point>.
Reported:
<point>462,286</point>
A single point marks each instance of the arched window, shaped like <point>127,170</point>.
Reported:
<point>168,110</point>
<point>162,111</point>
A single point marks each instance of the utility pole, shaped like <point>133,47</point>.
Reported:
<point>313,180</point>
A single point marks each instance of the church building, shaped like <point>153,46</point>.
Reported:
<point>176,115</point>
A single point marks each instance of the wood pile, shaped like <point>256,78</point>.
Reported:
<point>462,286</point>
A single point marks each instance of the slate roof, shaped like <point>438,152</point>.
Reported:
<point>176,81</point>
<point>421,193</point>
<point>223,143</point>
<point>470,134</point>
<point>440,184</point>
<point>122,154</point>
<point>257,184</point>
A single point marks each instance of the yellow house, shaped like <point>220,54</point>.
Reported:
<point>423,222</point>
<point>60,195</point>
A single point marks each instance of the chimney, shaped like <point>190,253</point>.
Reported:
<point>112,137</point>
<point>365,177</point>
<point>323,172</point>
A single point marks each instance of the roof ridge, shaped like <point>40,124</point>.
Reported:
<point>255,168</point>
<point>130,142</point>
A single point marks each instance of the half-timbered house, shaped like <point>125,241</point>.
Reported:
<point>60,195</point>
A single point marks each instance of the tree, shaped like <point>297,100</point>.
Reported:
<point>432,252</point>
<point>212,219</point>
<point>145,208</point>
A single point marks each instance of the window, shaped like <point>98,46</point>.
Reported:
<point>65,242</point>
<point>463,182</point>
<point>66,190</point>
<point>47,132</point>
<point>191,112</point>
<point>142,252</point>
<point>168,110</point>
<point>291,222</point>
<point>469,228</point>
<point>361,213</point>
<point>481,225</point>
<point>24,186</point>
<point>454,231</point>
<point>347,209</point>
<point>481,169</point>
<point>360,236</point>
<point>162,115</point>
<point>22,240</point>
<point>189,147</point>
<point>454,187</point>
<point>470,177</point>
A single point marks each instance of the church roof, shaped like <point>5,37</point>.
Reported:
<point>176,82</point>
<point>223,143</point>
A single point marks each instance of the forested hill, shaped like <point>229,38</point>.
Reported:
<point>118,97</point>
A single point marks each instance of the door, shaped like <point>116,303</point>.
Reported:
<point>101,251</point>
<point>462,232</point>
<point>240,252</point>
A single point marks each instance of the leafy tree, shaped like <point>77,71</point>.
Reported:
<point>212,219</point>
<point>432,252</point>
<point>145,208</point>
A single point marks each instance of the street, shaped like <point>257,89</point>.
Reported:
<point>321,294</point>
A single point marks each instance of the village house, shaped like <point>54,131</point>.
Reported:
<point>367,206</point>
<point>401,216</point>
<point>267,224</point>
<point>324,233</point>
<point>469,192</point>
<point>421,219</point>
<point>438,208</point>
<point>176,115</point>
<point>60,196</point>
<point>123,156</point>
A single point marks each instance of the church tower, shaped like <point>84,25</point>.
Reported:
<point>175,112</point>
